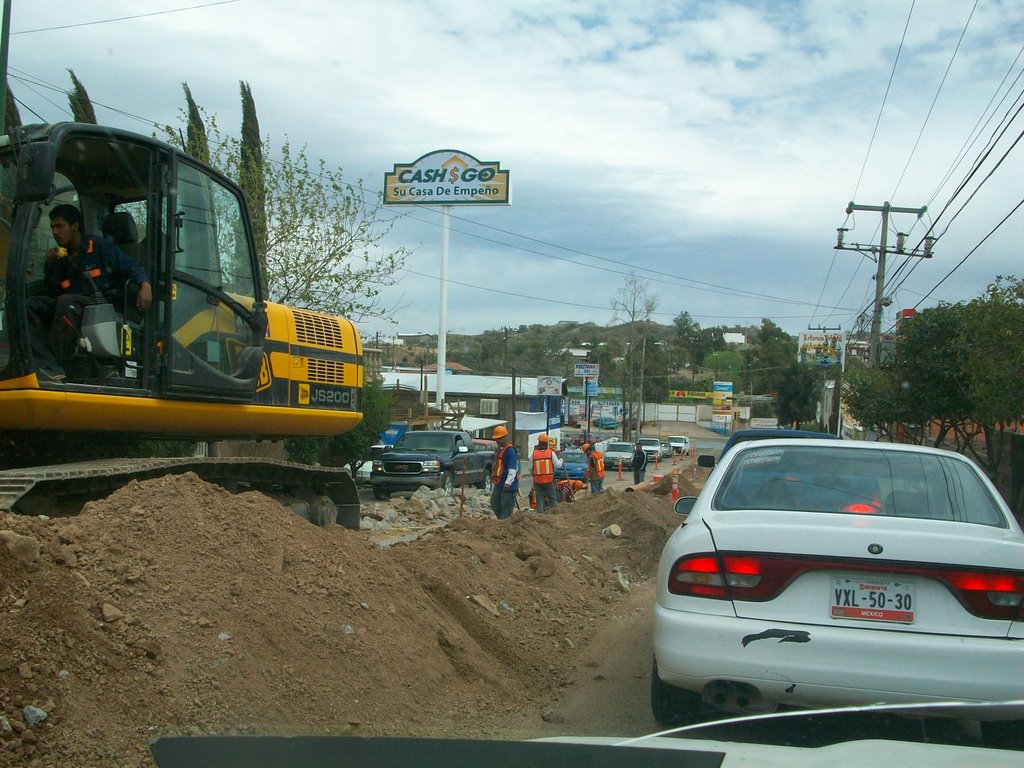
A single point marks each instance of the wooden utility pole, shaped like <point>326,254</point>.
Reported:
<point>881,250</point>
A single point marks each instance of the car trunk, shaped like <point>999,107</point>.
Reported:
<point>827,565</point>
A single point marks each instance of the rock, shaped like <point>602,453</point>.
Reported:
<point>484,602</point>
<point>111,614</point>
<point>348,629</point>
<point>525,551</point>
<point>151,648</point>
<point>24,549</point>
<point>542,566</point>
<point>224,637</point>
<point>505,605</point>
<point>33,716</point>
<point>623,582</point>
<point>552,715</point>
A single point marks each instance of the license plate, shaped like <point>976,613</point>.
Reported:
<point>872,600</point>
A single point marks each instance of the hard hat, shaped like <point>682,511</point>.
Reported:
<point>542,438</point>
<point>499,431</point>
<point>584,447</point>
<point>577,484</point>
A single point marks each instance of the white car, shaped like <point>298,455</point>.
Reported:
<point>817,573</point>
<point>652,447</point>
<point>679,444</point>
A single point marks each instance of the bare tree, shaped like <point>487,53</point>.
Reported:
<point>633,304</point>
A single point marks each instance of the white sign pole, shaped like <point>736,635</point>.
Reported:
<point>442,339</point>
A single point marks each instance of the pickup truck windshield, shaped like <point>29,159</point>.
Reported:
<point>424,442</point>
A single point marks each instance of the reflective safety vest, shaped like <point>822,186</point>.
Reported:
<point>599,463</point>
<point>499,465</point>
<point>543,466</point>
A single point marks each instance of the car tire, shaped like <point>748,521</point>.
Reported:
<point>672,706</point>
<point>1003,734</point>
<point>379,494</point>
<point>448,483</point>
<point>487,484</point>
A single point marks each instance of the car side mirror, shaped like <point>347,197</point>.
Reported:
<point>706,460</point>
<point>684,505</point>
<point>460,448</point>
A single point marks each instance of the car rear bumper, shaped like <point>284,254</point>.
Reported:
<point>806,665</point>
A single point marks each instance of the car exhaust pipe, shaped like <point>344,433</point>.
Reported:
<point>731,696</point>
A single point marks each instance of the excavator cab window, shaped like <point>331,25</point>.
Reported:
<point>216,349</point>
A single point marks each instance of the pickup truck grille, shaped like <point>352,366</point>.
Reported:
<point>403,467</point>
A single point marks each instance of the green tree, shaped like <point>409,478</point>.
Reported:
<point>324,241</point>
<point>196,142</point>
<point>78,99</point>
<point>797,394</point>
<point>774,352</point>
<point>251,174</point>
<point>351,448</point>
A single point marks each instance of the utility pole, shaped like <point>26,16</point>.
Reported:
<point>876,316</point>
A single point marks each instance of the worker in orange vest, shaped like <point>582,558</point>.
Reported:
<point>595,469</point>
<point>545,464</point>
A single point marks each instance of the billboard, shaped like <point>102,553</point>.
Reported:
<point>818,348</point>
<point>446,177</point>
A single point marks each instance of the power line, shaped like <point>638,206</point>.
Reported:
<point>123,18</point>
<point>885,98</point>
<point>935,99</point>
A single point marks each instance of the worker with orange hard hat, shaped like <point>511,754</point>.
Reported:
<point>545,463</point>
<point>505,477</point>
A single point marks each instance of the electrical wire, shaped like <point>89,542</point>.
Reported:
<point>935,99</point>
<point>885,98</point>
<point>123,18</point>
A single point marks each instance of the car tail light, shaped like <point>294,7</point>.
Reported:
<point>988,594</point>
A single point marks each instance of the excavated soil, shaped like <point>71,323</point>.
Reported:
<point>175,607</point>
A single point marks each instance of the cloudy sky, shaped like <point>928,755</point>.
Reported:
<point>708,148</point>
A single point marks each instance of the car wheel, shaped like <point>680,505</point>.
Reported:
<point>488,483</point>
<point>448,483</point>
<point>670,705</point>
<point>379,494</point>
<point>1003,734</point>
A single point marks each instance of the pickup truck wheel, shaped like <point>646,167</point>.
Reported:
<point>448,483</point>
<point>379,494</point>
<point>487,483</point>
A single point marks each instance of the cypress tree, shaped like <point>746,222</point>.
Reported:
<point>252,181</point>
<point>78,98</point>
<point>197,143</point>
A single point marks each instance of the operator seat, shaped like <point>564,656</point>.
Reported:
<point>120,227</point>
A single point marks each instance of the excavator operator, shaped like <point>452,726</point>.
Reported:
<point>76,269</point>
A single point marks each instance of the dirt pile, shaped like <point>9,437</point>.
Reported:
<point>175,607</point>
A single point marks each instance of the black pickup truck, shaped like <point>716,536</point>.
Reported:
<point>434,459</point>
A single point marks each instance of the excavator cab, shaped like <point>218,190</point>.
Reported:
<point>202,336</point>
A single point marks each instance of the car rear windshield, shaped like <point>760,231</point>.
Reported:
<point>847,480</point>
<point>652,441</point>
<point>620,448</point>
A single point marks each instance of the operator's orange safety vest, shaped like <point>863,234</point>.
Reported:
<point>543,466</point>
<point>599,463</point>
<point>499,465</point>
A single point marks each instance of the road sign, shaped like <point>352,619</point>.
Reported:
<point>587,370</point>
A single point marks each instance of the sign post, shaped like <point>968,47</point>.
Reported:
<point>445,177</point>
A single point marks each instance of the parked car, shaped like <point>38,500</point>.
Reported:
<point>606,422</point>
<point>574,462</point>
<point>679,444</point>
<point>436,459</point>
<point>651,446</point>
<point>902,561</point>
<point>616,452</point>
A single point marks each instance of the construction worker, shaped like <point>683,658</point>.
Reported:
<point>567,489</point>
<point>595,469</point>
<point>505,475</point>
<point>545,463</point>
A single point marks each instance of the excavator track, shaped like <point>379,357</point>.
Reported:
<point>325,495</point>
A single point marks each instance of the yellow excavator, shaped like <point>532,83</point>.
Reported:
<point>209,359</point>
